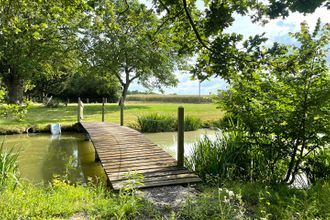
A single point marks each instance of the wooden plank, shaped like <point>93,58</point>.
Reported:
<point>119,185</point>
<point>151,174</point>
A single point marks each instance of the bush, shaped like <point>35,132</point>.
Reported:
<point>14,111</point>
<point>166,123</point>
<point>317,166</point>
<point>156,123</point>
<point>192,123</point>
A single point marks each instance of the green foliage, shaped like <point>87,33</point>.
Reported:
<point>62,200</point>
<point>318,165</point>
<point>92,85</point>
<point>14,111</point>
<point>37,41</point>
<point>169,98</point>
<point>192,123</point>
<point>239,200</point>
<point>283,105</point>
<point>156,123</point>
<point>132,46</point>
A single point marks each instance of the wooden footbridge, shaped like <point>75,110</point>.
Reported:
<point>122,150</point>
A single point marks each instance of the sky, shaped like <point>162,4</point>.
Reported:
<point>276,30</point>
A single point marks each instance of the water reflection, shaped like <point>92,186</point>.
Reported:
<point>42,156</point>
<point>168,140</point>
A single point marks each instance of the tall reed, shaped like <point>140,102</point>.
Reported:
<point>8,164</point>
<point>156,123</point>
<point>162,123</point>
<point>223,158</point>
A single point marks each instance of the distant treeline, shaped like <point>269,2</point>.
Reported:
<point>169,98</point>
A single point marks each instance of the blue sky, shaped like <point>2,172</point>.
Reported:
<point>276,31</point>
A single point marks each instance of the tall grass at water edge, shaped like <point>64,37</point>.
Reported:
<point>8,164</point>
<point>165,123</point>
<point>224,157</point>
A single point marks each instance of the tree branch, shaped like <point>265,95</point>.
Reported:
<point>192,24</point>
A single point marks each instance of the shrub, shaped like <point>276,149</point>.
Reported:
<point>164,123</point>
<point>14,111</point>
<point>317,165</point>
<point>156,123</point>
<point>192,123</point>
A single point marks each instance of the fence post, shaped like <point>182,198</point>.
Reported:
<point>79,110</point>
<point>121,113</point>
<point>103,100</point>
<point>180,150</point>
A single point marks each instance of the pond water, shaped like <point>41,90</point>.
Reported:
<point>41,156</point>
<point>168,140</point>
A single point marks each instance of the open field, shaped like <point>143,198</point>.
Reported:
<point>169,98</point>
<point>41,116</point>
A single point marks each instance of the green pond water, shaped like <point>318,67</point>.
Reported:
<point>41,156</point>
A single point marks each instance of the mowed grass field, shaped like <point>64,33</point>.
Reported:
<point>41,116</point>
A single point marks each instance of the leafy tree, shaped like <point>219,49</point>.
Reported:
<point>220,53</point>
<point>284,105</point>
<point>91,85</point>
<point>35,38</point>
<point>128,43</point>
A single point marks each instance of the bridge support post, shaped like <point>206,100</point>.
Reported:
<point>180,150</point>
<point>103,101</point>
<point>80,110</point>
<point>121,112</point>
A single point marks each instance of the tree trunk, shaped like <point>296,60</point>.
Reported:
<point>15,87</point>
<point>123,94</point>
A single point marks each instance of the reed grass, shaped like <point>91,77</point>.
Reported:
<point>165,123</point>
<point>8,164</point>
<point>156,123</point>
<point>223,158</point>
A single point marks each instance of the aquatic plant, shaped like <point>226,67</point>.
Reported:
<point>8,164</point>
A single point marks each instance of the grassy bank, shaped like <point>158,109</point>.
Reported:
<point>41,116</point>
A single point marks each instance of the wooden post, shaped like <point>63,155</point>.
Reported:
<point>121,114</point>
<point>103,100</point>
<point>180,150</point>
<point>79,109</point>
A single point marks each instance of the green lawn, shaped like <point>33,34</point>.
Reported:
<point>42,116</point>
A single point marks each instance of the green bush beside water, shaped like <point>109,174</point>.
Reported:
<point>156,123</point>
<point>163,123</point>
